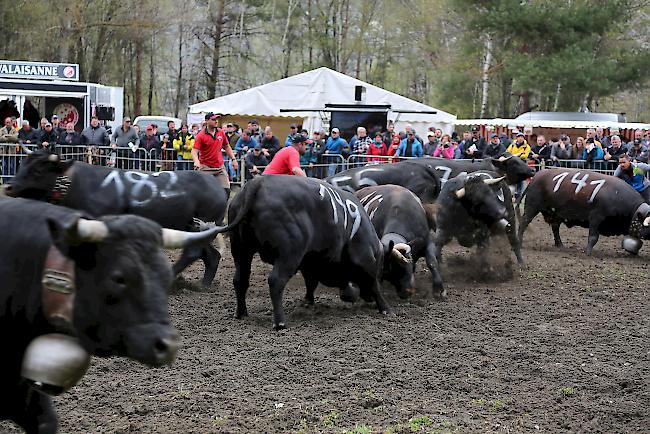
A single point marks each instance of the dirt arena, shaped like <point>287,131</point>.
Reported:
<point>561,346</point>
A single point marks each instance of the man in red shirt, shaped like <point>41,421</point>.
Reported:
<point>287,159</point>
<point>206,152</point>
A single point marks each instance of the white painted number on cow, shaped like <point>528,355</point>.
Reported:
<point>348,206</point>
<point>367,182</point>
<point>143,189</point>
<point>371,203</point>
<point>559,178</point>
<point>581,182</point>
<point>599,184</point>
<point>446,172</point>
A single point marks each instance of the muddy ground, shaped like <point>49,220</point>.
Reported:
<point>561,346</point>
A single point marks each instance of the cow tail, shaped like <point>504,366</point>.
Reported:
<point>248,194</point>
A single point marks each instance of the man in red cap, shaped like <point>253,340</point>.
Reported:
<point>287,159</point>
<point>206,152</point>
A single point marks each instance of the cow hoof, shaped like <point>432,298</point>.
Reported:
<point>559,245</point>
<point>280,326</point>
<point>241,315</point>
<point>442,296</point>
<point>350,294</point>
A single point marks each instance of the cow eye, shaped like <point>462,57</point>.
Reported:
<point>118,281</point>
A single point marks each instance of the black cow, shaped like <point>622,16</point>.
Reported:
<point>513,168</point>
<point>306,225</point>
<point>103,281</point>
<point>606,205</point>
<point>471,207</point>
<point>172,199</point>
<point>404,229</point>
<point>420,178</point>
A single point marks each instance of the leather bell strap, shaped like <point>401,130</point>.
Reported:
<point>58,290</point>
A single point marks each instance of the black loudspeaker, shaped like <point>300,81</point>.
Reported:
<point>105,113</point>
<point>359,93</point>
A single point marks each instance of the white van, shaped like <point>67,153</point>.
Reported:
<point>160,121</point>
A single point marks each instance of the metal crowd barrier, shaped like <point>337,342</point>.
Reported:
<point>156,160</point>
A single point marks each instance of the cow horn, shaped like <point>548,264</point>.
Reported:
<point>502,158</point>
<point>53,158</point>
<point>460,193</point>
<point>403,247</point>
<point>494,180</point>
<point>27,151</point>
<point>92,231</point>
<point>398,254</point>
<point>174,239</point>
<point>646,222</point>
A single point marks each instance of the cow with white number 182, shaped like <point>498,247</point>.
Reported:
<point>604,204</point>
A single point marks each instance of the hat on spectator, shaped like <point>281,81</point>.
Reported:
<point>494,136</point>
<point>378,134</point>
<point>212,116</point>
<point>55,117</point>
<point>475,129</point>
<point>304,131</point>
<point>299,138</point>
<point>254,122</point>
<point>258,147</point>
<point>564,137</point>
<point>293,126</point>
<point>335,130</point>
<point>431,134</point>
<point>47,124</point>
<point>521,135</point>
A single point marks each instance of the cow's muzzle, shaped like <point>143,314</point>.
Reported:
<point>7,190</point>
<point>152,344</point>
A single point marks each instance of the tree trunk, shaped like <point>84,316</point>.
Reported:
<point>151,73</point>
<point>485,77</point>
<point>217,19</point>
<point>179,78</point>
<point>287,43</point>
<point>137,102</point>
<point>556,103</point>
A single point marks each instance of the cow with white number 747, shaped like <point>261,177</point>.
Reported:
<point>604,204</point>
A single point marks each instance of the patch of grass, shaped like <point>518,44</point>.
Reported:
<point>219,420</point>
<point>394,429</point>
<point>417,423</point>
<point>380,408</point>
<point>360,429</point>
<point>496,405</point>
<point>331,419</point>
<point>568,391</point>
<point>371,400</point>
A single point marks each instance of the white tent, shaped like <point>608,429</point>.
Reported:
<point>312,90</point>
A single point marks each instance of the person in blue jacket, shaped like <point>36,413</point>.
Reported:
<point>245,143</point>
<point>593,154</point>
<point>334,145</point>
<point>410,147</point>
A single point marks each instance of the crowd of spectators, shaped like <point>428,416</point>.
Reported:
<point>329,153</point>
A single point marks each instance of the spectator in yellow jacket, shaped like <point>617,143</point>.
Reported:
<point>184,143</point>
<point>520,147</point>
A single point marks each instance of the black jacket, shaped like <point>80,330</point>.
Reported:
<point>272,145</point>
<point>52,137</point>
<point>30,136</point>
<point>70,139</point>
